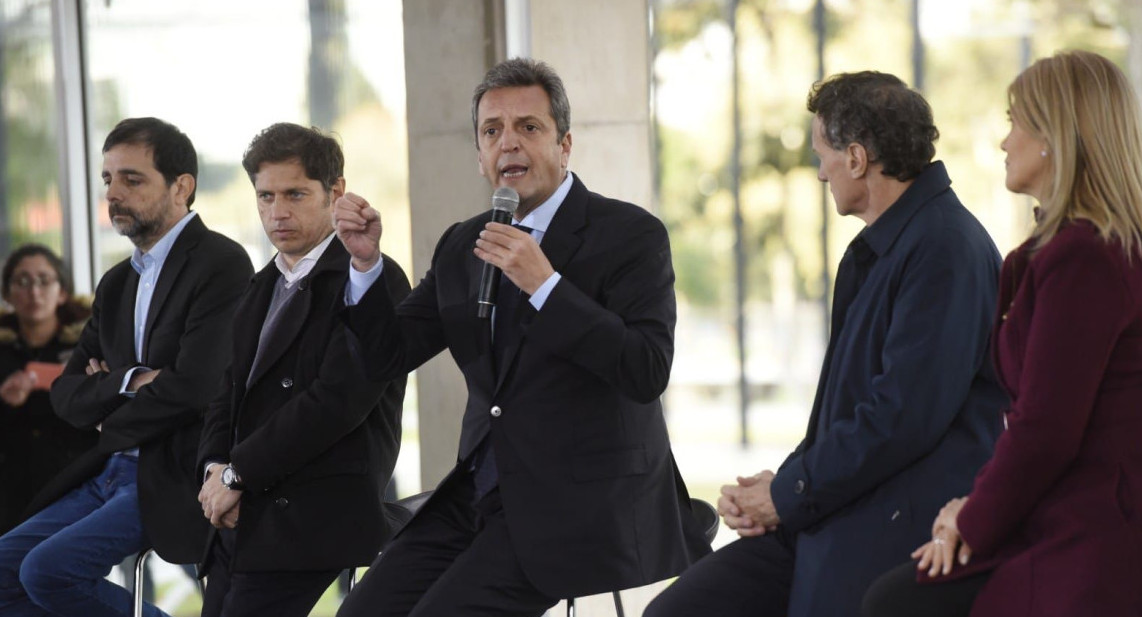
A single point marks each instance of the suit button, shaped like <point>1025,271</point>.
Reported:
<point>281,502</point>
<point>496,411</point>
<point>799,487</point>
<point>287,382</point>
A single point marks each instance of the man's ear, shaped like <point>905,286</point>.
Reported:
<point>565,150</point>
<point>856,159</point>
<point>337,190</point>
<point>183,186</point>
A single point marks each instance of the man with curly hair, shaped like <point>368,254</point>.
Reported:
<point>907,407</point>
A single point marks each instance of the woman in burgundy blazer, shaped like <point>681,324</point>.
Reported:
<point>1053,525</point>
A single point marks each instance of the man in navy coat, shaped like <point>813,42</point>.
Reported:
<point>907,407</point>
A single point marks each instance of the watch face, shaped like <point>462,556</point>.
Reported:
<point>228,475</point>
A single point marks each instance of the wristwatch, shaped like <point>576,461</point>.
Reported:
<point>231,480</point>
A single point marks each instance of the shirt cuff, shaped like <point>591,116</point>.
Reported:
<point>127,380</point>
<point>206,468</point>
<point>540,296</point>
<point>360,282</point>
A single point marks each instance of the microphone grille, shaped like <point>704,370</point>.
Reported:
<point>505,198</point>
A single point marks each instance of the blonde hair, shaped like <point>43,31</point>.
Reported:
<point>1083,106</point>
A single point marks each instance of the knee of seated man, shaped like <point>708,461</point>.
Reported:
<point>41,575</point>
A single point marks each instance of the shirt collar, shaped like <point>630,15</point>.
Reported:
<point>303,265</point>
<point>159,252</point>
<point>883,232</point>
<point>540,218</point>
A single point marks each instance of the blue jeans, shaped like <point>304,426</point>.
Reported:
<point>56,561</point>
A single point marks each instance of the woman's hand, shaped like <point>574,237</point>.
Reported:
<point>17,387</point>
<point>939,554</point>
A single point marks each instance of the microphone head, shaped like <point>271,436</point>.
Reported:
<point>505,199</point>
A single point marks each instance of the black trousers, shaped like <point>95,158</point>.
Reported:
<point>897,594</point>
<point>256,594</point>
<point>454,558</point>
<point>748,577</point>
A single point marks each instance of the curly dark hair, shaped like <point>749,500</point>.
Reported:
<point>879,112</point>
<point>520,73</point>
<point>317,152</point>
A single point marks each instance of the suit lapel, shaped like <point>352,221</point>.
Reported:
<point>124,311</point>
<point>296,312</point>
<point>560,243</point>
<point>249,316</point>
<point>175,262</point>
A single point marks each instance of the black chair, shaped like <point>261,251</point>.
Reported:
<point>399,512</point>
<point>707,517</point>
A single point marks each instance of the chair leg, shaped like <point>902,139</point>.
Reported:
<point>618,604</point>
<point>137,592</point>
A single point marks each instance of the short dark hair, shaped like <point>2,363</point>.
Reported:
<point>879,112</point>
<point>520,73</point>
<point>318,153</point>
<point>171,150</point>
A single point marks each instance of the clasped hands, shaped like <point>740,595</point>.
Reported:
<point>220,504</point>
<point>939,554</point>
<point>747,507</point>
<point>513,251</point>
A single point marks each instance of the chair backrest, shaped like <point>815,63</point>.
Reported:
<point>707,517</point>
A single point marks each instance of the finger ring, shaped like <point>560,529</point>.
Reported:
<point>939,541</point>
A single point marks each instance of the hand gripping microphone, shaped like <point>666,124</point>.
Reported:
<point>504,202</point>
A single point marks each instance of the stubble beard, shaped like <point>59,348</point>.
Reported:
<point>139,229</point>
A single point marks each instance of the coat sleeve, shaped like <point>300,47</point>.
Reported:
<point>86,400</point>
<point>935,344</point>
<point>1081,307</point>
<point>393,335</point>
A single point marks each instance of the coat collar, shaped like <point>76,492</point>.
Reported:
<point>882,234</point>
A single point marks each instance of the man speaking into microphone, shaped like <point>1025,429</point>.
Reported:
<point>565,484</point>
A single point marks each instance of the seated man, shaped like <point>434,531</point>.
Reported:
<point>146,366</point>
<point>907,407</point>
<point>299,444</point>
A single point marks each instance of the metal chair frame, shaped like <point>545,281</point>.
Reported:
<point>140,570</point>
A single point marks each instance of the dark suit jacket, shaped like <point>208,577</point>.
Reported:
<point>313,438</point>
<point>1058,509</point>
<point>907,407</point>
<point>590,491</point>
<point>190,312</point>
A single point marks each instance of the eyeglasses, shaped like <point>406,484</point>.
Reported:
<point>27,282</point>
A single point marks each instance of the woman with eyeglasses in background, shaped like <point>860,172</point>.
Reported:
<point>36,338</point>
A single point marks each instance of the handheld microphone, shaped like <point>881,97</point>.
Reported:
<point>504,202</point>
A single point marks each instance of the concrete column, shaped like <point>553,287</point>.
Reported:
<point>601,50</point>
<point>449,45</point>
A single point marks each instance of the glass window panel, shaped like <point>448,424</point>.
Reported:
<point>30,208</point>
<point>222,71</point>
